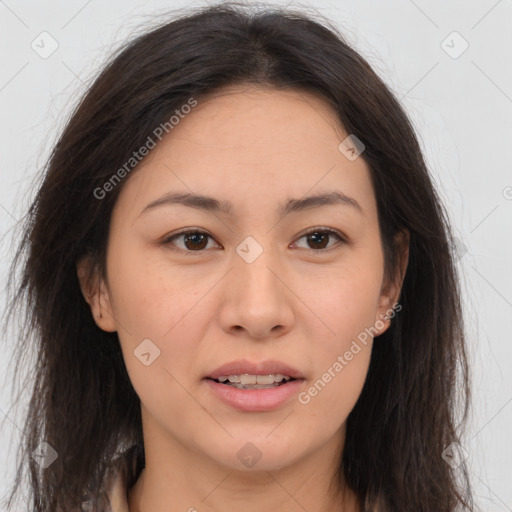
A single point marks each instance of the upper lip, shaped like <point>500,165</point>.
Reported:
<point>242,366</point>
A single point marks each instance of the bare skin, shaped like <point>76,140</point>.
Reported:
<point>203,307</point>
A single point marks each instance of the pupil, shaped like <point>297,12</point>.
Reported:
<point>323,235</point>
<point>194,236</point>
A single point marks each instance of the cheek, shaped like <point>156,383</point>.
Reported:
<point>332,395</point>
<point>151,295</point>
<point>345,300</point>
<point>158,342</point>
<point>157,310</point>
<point>341,355</point>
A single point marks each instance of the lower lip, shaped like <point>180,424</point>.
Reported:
<point>257,400</point>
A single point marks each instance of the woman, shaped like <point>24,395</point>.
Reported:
<point>240,280</point>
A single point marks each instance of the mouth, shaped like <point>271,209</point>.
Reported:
<point>247,381</point>
<point>255,397</point>
<point>250,373</point>
<point>255,387</point>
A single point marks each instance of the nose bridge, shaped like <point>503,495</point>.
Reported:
<point>256,267</point>
<point>257,298</point>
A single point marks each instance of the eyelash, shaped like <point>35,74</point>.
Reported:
<point>317,230</point>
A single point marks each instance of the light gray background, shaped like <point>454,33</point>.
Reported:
<point>461,108</point>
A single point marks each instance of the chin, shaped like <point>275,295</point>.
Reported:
<point>256,453</point>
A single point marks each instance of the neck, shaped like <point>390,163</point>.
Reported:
<point>154,491</point>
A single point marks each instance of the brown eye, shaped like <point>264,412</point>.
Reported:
<point>318,238</point>
<point>193,241</point>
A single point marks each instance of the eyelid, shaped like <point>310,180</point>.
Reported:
<point>323,229</point>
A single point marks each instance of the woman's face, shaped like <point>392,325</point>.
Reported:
<point>251,285</point>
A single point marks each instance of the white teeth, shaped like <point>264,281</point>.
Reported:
<point>270,379</point>
<point>248,380</point>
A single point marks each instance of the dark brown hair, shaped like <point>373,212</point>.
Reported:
<point>83,404</point>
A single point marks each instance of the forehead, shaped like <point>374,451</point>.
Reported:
<point>249,117</point>
<point>253,146</point>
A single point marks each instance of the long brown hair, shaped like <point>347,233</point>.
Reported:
<point>83,404</point>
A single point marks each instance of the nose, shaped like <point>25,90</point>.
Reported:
<point>257,299</point>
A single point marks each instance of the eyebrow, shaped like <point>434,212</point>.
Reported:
<point>211,204</point>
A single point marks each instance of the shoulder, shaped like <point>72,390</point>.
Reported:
<point>117,492</point>
<point>116,484</point>
<point>124,469</point>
